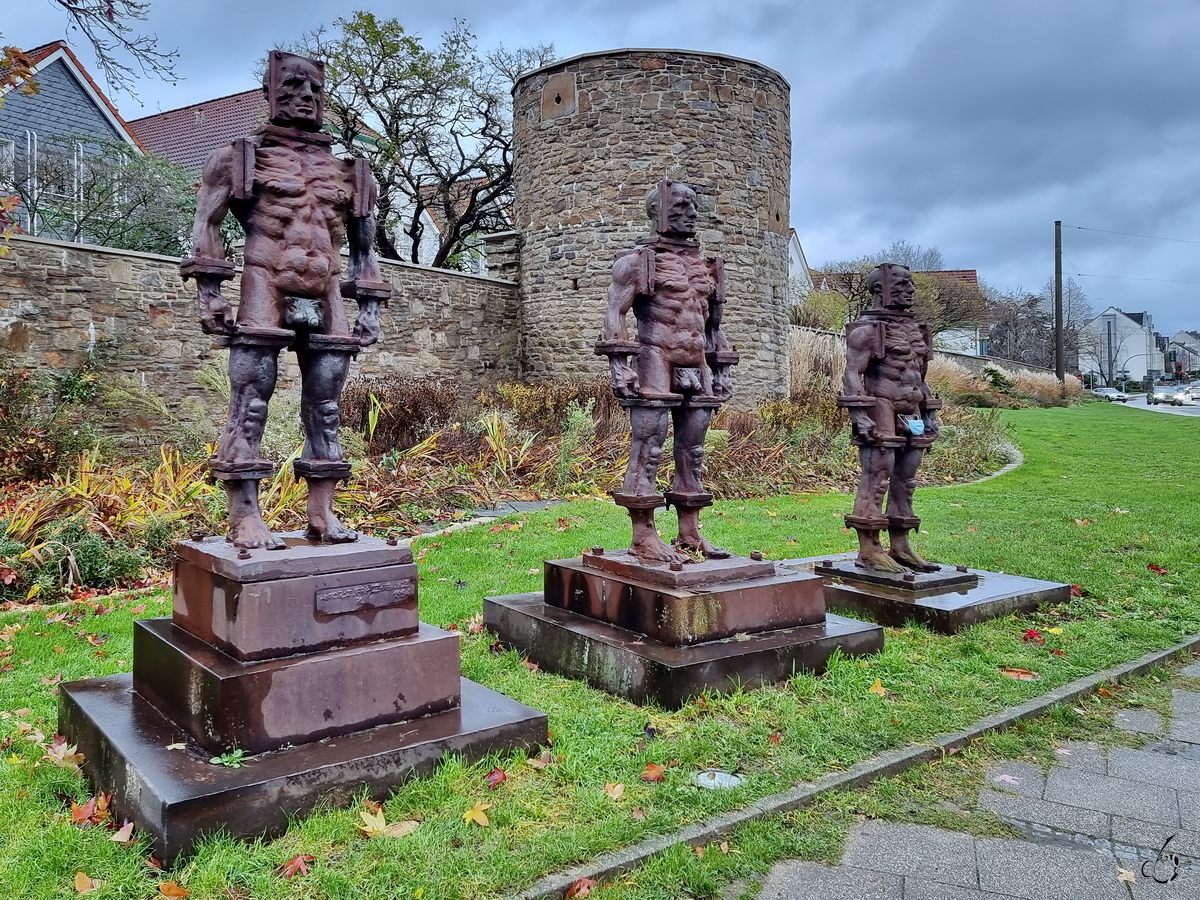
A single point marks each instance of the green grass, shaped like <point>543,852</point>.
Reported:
<point>1129,477</point>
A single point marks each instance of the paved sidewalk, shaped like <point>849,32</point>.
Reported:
<point>1095,827</point>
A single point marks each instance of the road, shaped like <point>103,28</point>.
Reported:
<point>1139,402</point>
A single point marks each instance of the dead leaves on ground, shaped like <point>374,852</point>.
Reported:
<point>1019,674</point>
<point>376,825</point>
<point>496,777</point>
<point>654,772</point>
<point>297,865</point>
<point>477,814</point>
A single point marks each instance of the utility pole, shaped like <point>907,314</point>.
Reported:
<point>1060,355</point>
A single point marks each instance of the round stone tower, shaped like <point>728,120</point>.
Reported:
<point>593,134</point>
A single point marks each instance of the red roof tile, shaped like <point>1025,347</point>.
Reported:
<point>189,134</point>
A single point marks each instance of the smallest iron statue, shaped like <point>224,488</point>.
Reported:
<point>678,368</point>
<point>893,418</point>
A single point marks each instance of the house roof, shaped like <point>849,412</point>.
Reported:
<point>189,134</point>
<point>44,55</point>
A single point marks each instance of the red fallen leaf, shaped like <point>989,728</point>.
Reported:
<point>654,772</point>
<point>81,816</point>
<point>295,865</point>
<point>453,626</point>
<point>530,665</point>
<point>497,647</point>
<point>1057,652</point>
<point>173,890</point>
<point>1157,570</point>
<point>153,862</point>
<point>1032,636</point>
<point>1019,674</point>
<point>1076,591</point>
<point>580,888</point>
<point>372,806</point>
<point>140,608</point>
<point>775,739</point>
<point>495,777</point>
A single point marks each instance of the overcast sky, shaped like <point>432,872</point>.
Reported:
<point>962,124</point>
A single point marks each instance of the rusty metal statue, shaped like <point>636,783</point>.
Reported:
<point>893,417</point>
<point>298,203</point>
<point>678,369</point>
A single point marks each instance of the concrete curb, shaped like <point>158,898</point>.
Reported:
<point>608,865</point>
<point>1018,461</point>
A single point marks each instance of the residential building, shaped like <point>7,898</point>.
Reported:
<point>1121,346</point>
<point>44,136</point>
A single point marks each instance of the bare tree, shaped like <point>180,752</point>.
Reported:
<point>1077,312</point>
<point>1021,329</point>
<point>434,123</point>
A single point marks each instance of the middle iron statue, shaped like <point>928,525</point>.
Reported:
<point>678,369</point>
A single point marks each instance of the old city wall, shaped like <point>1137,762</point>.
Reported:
<point>58,299</point>
<point>593,134</point>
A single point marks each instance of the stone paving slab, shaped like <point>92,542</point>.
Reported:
<point>1040,812</point>
<point>1185,704</point>
<point>1017,777</point>
<point>795,880</point>
<point>918,889</point>
<point>1041,872</point>
<point>920,850</point>
<point>1153,768</point>
<point>1150,836</point>
<point>1139,721</point>
<point>1079,755</point>
<point>1116,796</point>
<point>1192,671</point>
<point>1189,809</point>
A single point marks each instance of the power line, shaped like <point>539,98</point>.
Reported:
<point>1131,234</point>
<point>1134,278</point>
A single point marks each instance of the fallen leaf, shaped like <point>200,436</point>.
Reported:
<point>63,755</point>
<point>177,746</point>
<point>173,890</point>
<point>496,777</point>
<point>1032,637</point>
<point>477,815</point>
<point>1157,570</point>
<point>140,608</point>
<point>775,739</point>
<point>580,888</point>
<point>638,814</point>
<point>154,862</point>
<point>85,883</point>
<point>124,834</point>
<point>1104,692</point>
<point>614,791</point>
<point>531,666</point>
<point>297,865</point>
<point>654,772</point>
<point>373,822</point>
<point>1055,630</point>
<point>540,761</point>
<point>1076,591</point>
<point>877,688</point>
<point>53,679</point>
<point>699,851</point>
<point>1057,652</point>
<point>497,647</point>
<point>723,846</point>
<point>1125,875</point>
<point>401,828</point>
<point>1006,779</point>
<point>1019,674</point>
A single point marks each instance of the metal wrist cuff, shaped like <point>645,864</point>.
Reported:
<point>203,265</point>
<point>855,401</point>
<point>616,348</point>
<point>358,289</point>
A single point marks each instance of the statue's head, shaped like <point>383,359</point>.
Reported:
<point>671,206</point>
<point>892,286</point>
<point>295,88</point>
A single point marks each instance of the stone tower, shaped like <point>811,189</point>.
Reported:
<point>593,135</point>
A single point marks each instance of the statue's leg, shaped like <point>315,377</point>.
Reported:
<point>687,494</point>
<point>639,493</point>
<point>868,519</point>
<point>323,369</point>
<point>901,518</point>
<point>253,368</point>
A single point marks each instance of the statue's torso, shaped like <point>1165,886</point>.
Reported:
<point>296,223</point>
<point>674,316</point>
<point>898,375</point>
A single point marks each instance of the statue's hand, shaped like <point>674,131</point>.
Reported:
<point>722,384</point>
<point>216,315</point>
<point>624,376</point>
<point>366,328</point>
<point>864,425</point>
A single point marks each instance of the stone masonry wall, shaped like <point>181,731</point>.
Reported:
<point>57,298</point>
<point>593,135</point>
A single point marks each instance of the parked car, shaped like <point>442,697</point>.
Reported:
<point>1161,393</point>
<point>1112,395</point>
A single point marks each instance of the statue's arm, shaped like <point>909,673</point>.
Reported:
<point>208,264</point>
<point>719,355</point>
<point>614,340</point>
<point>862,345</point>
<point>929,404</point>
<point>365,282</point>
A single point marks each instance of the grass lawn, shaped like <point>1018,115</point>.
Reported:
<point>1104,493</point>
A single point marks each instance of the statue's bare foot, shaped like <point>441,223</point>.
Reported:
<point>328,530</point>
<point>655,549</point>
<point>703,546</point>
<point>910,560</point>
<point>252,533</point>
<point>879,562</point>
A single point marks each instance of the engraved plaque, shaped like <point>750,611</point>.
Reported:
<point>373,595</point>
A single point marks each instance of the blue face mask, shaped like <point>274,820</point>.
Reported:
<point>916,427</point>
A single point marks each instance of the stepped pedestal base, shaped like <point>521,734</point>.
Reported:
<point>960,599</point>
<point>177,796</point>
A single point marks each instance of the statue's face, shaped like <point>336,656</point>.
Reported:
<point>897,287</point>
<point>681,210</point>
<point>299,94</point>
